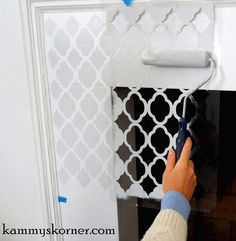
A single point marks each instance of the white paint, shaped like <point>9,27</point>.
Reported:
<point>177,29</point>
<point>21,200</point>
<point>223,53</point>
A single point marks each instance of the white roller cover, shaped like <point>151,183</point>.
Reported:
<point>194,59</point>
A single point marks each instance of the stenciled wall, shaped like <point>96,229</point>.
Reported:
<point>160,28</point>
<point>113,118</point>
<point>81,115</point>
<point>130,32</point>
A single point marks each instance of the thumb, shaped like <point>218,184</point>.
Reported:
<point>171,160</point>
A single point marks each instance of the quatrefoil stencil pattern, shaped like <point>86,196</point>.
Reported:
<point>80,99</point>
<point>87,53</point>
<point>145,129</point>
<point>157,27</point>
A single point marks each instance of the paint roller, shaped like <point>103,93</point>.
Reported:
<point>181,59</point>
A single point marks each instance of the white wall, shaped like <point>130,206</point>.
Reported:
<point>20,197</point>
<point>226,31</point>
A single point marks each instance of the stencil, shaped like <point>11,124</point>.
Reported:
<point>159,27</point>
<point>82,49</point>
<point>146,126</point>
<point>80,99</point>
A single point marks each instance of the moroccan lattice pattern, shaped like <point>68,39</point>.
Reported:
<point>146,126</point>
<point>158,27</point>
<point>90,51</point>
<point>80,99</point>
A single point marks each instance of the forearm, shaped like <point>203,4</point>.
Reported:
<point>171,223</point>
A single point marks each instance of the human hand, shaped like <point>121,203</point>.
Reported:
<point>180,176</point>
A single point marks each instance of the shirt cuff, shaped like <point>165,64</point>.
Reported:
<point>176,201</point>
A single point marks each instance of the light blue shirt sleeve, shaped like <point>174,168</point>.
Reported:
<point>176,201</point>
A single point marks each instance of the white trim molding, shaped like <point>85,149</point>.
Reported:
<point>40,107</point>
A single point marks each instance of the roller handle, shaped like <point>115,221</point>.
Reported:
<point>181,137</point>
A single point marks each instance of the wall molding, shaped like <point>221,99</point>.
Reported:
<point>32,24</point>
<point>40,108</point>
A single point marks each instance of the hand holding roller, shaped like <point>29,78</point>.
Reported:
<point>186,59</point>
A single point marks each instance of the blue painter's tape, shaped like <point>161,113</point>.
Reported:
<point>127,2</point>
<point>62,199</point>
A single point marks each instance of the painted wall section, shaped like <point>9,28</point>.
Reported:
<point>82,120</point>
<point>158,28</point>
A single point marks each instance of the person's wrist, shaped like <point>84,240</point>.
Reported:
<point>176,201</point>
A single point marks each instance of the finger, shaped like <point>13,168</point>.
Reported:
<point>171,160</point>
<point>191,164</point>
<point>186,152</point>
